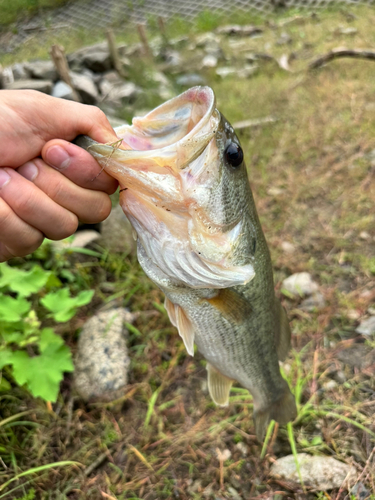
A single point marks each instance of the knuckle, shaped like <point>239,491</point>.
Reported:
<point>98,115</point>
<point>103,206</point>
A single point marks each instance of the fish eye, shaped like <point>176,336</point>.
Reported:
<point>233,155</point>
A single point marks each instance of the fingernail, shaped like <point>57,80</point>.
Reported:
<point>57,157</point>
<point>29,170</point>
<point>4,178</point>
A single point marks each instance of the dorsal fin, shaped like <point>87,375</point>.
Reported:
<point>218,386</point>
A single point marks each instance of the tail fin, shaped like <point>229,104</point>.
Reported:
<point>283,411</point>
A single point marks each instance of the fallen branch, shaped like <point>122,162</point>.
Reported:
<point>341,52</point>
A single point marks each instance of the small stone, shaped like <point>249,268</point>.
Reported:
<point>102,360</point>
<point>63,91</point>
<point>242,448</point>
<point>315,302</point>
<point>300,284</point>
<point>284,39</point>
<point>318,472</point>
<point>329,385</point>
<point>364,235</point>
<point>346,31</point>
<point>43,70</point>
<point>353,314</point>
<point>190,80</point>
<point>209,61</point>
<point>85,87</point>
<point>360,491</point>
<point>117,233</point>
<point>245,72</point>
<point>288,247</point>
<point>367,327</point>
<point>195,487</point>
<point>371,311</point>
<point>44,86</point>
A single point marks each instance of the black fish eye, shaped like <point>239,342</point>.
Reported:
<point>233,155</point>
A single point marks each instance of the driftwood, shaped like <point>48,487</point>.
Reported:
<point>341,52</point>
<point>62,67</point>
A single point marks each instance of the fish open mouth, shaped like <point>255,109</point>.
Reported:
<point>165,166</point>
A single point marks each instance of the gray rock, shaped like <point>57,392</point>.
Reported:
<point>358,356</point>
<point>20,72</point>
<point>117,233</point>
<point>7,76</point>
<point>318,472</point>
<point>85,87</point>
<point>62,90</point>
<point>95,57</point>
<point>367,327</point>
<point>123,93</point>
<point>43,70</point>
<point>102,360</point>
<point>207,39</point>
<point>315,302</point>
<point>190,80</point>
<point>300,284</point>
<point>40,85</point>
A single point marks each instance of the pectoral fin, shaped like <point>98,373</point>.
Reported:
<point>283,334</point>
<point>218,386</point>
<point>185,327</point>
<point>233,306</point>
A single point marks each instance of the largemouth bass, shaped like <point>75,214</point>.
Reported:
<point>185,190</point>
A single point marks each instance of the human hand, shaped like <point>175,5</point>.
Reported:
<point>47,196</point>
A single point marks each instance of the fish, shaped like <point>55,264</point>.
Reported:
<point>184,187</point>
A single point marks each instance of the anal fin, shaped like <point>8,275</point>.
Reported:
<point>218,386</point>
<point>184,326</point>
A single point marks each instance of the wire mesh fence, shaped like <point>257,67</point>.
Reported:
<point>99,14</point>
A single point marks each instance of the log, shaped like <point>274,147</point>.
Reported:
<point>339,53</point>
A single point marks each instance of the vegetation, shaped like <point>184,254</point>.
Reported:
<point>312,175</point>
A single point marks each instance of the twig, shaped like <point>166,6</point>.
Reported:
<point>143,37</point>
<point>254,123</point>
<point>342,52</point>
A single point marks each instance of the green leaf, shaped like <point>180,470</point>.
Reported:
<point>42,374</point>
<point>24,283</point>
<point>11,309</point>
<point>62,306</point>
<point>6,357</point>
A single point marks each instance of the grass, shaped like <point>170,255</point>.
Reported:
<point>312,175</point>
<point>18,9</point>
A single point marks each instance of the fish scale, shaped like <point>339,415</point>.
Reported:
<point>202,244</point>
